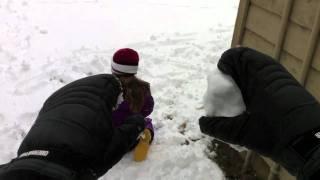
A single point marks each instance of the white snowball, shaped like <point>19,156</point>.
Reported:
<point>223,96</point>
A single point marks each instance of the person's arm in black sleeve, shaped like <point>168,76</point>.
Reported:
<point>281,117</point>
<point>123,138</point>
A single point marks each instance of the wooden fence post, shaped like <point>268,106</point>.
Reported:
<point>240,22</point>
<point>311,49</point>
<point>283,29</point>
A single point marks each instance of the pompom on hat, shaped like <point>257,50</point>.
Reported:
<point>125,62</point>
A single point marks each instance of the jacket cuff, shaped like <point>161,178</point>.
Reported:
<point>311,169</point>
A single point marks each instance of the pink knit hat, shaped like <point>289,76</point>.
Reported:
<point>125,61</point>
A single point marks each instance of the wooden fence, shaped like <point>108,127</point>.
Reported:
<point>287,30</point>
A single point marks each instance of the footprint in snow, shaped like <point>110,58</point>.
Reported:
<point>30,86</point>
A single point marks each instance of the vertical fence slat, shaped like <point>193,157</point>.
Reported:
<point>240,22</point>
<point>311,48</point>
<point>238,33</point>
<point>283,29</point>
<point>275,169</point>
<point>274,172</point>
<point>247,162</point>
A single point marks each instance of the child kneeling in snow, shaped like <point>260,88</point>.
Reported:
<point>137,98</point>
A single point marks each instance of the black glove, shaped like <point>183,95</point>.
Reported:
<point>132,127</point>
<point>280,113</point>
<point>122,139</point>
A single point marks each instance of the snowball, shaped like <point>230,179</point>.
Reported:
<point>223,96</point>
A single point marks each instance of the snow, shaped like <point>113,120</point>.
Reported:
<point>223,96</point>
<point>45,44</point>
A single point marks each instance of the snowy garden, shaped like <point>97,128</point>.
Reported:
<point>45,44</point>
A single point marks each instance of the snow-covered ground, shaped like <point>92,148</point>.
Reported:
<point>45,44</point>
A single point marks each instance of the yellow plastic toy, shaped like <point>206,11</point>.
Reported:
<point>141,150</point>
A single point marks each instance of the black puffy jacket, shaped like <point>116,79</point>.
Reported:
<point>280,114</point>
<point>75,127</point>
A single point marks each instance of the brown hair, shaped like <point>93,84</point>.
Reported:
<point>134,92</point>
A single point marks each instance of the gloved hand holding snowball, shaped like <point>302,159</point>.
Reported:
<point>276,118</point>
